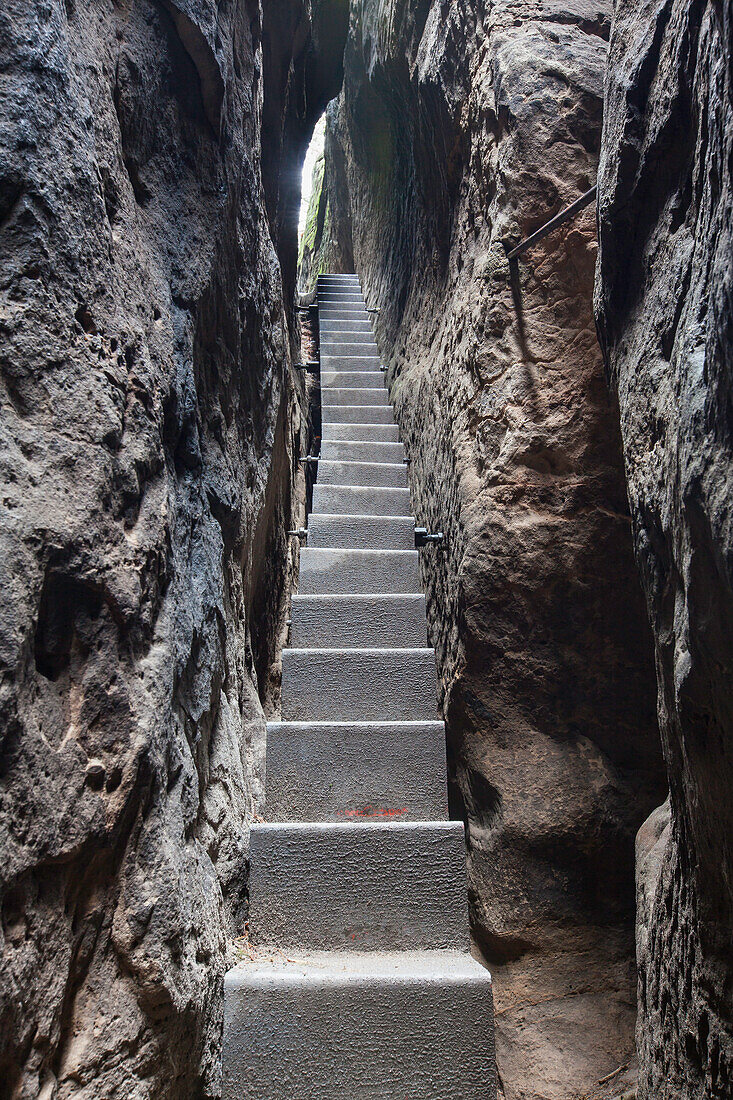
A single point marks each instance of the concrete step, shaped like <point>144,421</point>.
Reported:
<point>334,343</point>
<point>331,571</point>
<point>354,685</point>
<point>364,395</point>
<point>357,500</point>
<point>390,474</point>
<point>340,337</point>
<point>340,294</point>
<point>381,1026</point>
<point>359,620</point>
<point>348,451</point>
<point>332,325</point>
<point>355,379</point>
<point>350,347</point>
<point>358,887</point>
<point>362,433</point>
<point>366,357</point>
<point>349,317</point>
<point>354,358</point>
<point>346,331</point>
<point>361,532</point>
<point>355,414</point>
<point>356,771</point>
<point>342,308</point>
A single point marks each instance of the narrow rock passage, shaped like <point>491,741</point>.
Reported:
<point>362,984</point>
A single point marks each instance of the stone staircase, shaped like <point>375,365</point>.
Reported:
<point>361,984</point>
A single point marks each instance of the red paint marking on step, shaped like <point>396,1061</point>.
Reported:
<point>375,811</point>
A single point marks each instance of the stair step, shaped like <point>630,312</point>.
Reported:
<point>350,345</point>
<point>337,316</point>
<point>340,294</point>
<point>361,433</point>
<point>355,771</point>
<point>371,1027</point>
<point>364,395</point>
<point>355,414</point>
<point>326,1026</point>
<point>361,532</point>
<point>349,358</point>
<point>352,685</point>
<point>332,343</point>
<point>340,349</point>
<point>388,475</point>
<point>334,299</point>
<point>355,379</point>
<point>345,331</point>
<point>332,572</point>
<point>358,886</point>
<point>333,450</point>
<point>385,474</point>
<point>357,500</point>
<point>361,620</point>
<point>340,337</point>
<point>340,291</point>
<point>350,348</point>
<point>342,308</point>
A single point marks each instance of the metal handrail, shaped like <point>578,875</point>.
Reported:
<point>554,223</point>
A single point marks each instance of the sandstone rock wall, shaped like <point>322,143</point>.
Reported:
<point>149,428</point>
<point>461,128</point>
<point>664,302</point>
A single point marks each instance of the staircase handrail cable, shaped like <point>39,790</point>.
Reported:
<point>555,223</point>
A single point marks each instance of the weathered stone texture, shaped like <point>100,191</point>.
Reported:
<point>463,126</point>
<point>665,307</point>
<point>148,425</point>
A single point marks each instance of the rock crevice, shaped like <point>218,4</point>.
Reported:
<point>459,131</point>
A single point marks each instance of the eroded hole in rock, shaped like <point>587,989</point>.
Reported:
<point>11,191</point>
<point>111,193</point>
<point>84,316</point>
<point>66,615</point>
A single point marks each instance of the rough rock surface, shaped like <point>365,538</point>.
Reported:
<point>665,309</point>
<point>463,126</point>
<point>149,431</point>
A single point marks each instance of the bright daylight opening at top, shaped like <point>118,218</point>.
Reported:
<point>315,150</point>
